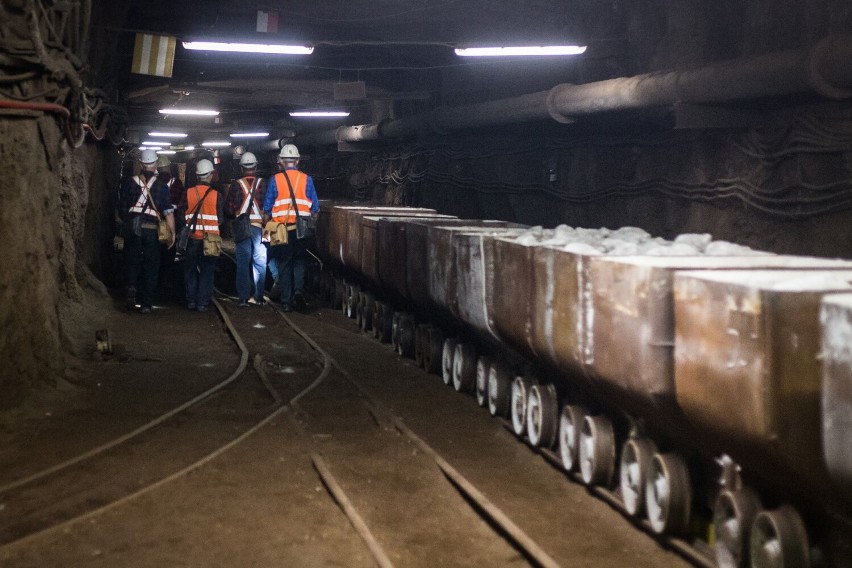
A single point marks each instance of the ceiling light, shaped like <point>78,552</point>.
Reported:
<point>168,134</point>
<point>249,134</point>
<point>150,147</point>
<point>154,142</point>
<point>249,47</point>
<point>189,148</point>
<point>528,50</point>
<point>215,144</point>
<point>320,113</point>
<point>190,111</point>
<point>166,152</point>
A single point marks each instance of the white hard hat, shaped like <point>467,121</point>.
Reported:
<point>163,162</point>
<point>248,161</point>
<point>289,151</point>
<point>148,157</point>
<point>203,167</point>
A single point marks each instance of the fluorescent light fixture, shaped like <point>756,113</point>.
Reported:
<point>324,113</point>
<point>150,143</point>
<point>190,111</point>
<point>249,47</point>
<point>249,134</point>
<point>528,50</point>
<point>215,144</point>
<point>166,152</point>
<point>189,148</point>
<point>168,134</point>
<point>150,147</point>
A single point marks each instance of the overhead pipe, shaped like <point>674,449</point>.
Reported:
<point>823,69</point>
<point>266,145</point>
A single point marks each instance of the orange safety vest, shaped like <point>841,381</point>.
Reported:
<point>246,186</point>
<point>282,209</point>
<point>208,220</point>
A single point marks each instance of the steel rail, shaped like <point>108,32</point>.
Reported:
<point>191,467</point>
<point>145,427</point>
<point>517,538</point>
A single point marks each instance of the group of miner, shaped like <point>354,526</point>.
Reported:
<point>193,219</point>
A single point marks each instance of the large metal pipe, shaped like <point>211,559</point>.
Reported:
<point>265,146</point>
<point>824,69</point>
<point>782,73</point>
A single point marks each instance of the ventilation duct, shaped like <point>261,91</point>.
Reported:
<point>823,69</point>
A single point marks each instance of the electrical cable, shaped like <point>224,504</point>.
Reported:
<point>43,107</point>
<point>18,78</point>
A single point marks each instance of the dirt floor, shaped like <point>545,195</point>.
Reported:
<point>262,503</point>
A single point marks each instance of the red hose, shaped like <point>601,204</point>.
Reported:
<point>96,134</point>
<point>46,107</point>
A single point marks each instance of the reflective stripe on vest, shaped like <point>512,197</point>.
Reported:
<point>139,206</point>
<point>208,220</point>
<point>282,209</point>
<point>254,216</point>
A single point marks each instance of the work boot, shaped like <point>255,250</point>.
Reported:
<point>299,302</point>
<point>130,298</point>
<point>275,292</point>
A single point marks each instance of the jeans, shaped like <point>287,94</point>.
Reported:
<point>287,264</point>
<point>141,255</point>
<point>251,253</point>
<point>198,274</point>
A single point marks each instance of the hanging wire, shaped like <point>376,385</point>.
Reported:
<point>51,67</point>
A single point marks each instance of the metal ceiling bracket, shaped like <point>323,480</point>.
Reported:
<point>552,110</point>
<point>822,64</point>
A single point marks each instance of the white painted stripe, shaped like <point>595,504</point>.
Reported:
<point>146,55</point>
<point>162,54</point>
<point>305,202</point>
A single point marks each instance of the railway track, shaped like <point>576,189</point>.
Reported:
<point>118,471</point>
<point>696,552</point>
<point>108,477</point>
<point>372,463</point>
<point>484,516</point>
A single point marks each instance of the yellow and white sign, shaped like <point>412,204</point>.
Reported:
<point>154,55</point>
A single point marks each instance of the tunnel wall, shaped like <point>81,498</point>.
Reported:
<point>55,216</point>
<point>783,185</point>
<point>56,210</point>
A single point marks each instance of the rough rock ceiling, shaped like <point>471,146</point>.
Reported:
<point>398,47</point>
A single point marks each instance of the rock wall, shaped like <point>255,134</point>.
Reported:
<point>54,217</point>
<point>783,185</point>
